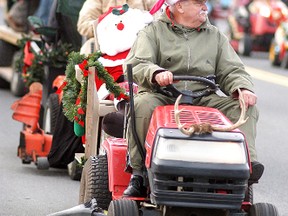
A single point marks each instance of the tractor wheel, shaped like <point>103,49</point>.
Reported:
<point>26,160</point>
<point>97,183</point>
<point>4,84</point>
<point>42,163</point>
<point>21,151</point>
<point>51,113</point>
<point>249,194</point>
<point>7,51</point>
<point>84,176</point>
<point>284,63</point>
<point>263,209</point>
<point>245,45</point>
<point>123,207</point>
<point>17,85</point>
<point>75,170</point>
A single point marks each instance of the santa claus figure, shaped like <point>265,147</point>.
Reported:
<point>115,33</point>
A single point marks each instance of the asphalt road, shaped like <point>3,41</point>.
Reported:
<point>25,190</point>
<point>271,84</point>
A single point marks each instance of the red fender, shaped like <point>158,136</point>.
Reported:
<point>116,149</point>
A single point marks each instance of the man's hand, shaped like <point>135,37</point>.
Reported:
<point>164,78</point>
<point>249,97</point>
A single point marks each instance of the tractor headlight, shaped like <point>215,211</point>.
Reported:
<point>229,152</point>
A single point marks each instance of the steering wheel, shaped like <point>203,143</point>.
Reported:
<point>208,81</point>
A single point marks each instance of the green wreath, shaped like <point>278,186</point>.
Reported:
<point>75,95</point>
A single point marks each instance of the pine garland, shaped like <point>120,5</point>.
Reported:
<point>75,95</point>
<point>72,88</point>
<point>56,56</point>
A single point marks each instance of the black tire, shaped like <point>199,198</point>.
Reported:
<point>123,207</point>
<point>245,45</point>
<point>276,61</point>
<point>7,51</point>
<point>49,75</point>
<point>284,63</point>
<point>17,85</point>
<point>75,170</point>
<point>4,84</point>
<point>97,183</point>
<point>273,55</point>
<point>42,163</point>
<point>263,209</point>
<point>51,111</point>
<point>26,161</point>
<point>83,180</point>
<point>249,194</point>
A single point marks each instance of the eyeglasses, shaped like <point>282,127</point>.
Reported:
<point>195,2</point>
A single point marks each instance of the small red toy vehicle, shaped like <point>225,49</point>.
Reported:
<point>34,143</point>
<point>188,172</point>
<point>253,25</point>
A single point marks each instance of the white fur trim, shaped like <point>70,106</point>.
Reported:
<point>103,92</point>
<point>171,2</point>
<point>110,63</point>
<point>113,40</point>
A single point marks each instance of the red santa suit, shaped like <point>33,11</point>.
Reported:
<point>113,65</point>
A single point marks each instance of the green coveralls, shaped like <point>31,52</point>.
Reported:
<point>146,102</point>
<point>164,45</point>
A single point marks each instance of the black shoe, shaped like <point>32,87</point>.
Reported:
<point>136,187</point>
<point>257,172</point>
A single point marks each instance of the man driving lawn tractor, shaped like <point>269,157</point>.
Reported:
<point>183,42</point>
<point>217,65</point>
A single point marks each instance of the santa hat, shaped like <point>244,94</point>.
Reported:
<point>117,9</point>
<point>159,4</point>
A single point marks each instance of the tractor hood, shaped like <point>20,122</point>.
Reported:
<point>163,117</point>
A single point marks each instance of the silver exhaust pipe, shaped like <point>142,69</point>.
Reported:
<point>87,209</point>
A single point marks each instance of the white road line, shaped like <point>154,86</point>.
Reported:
<point>268,76</point>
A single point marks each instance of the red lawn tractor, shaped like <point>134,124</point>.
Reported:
<point>191,171</point>
<point>253,25</point>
